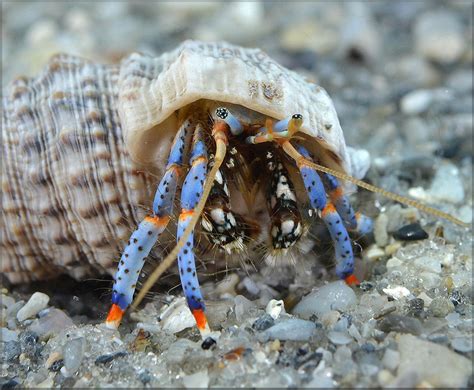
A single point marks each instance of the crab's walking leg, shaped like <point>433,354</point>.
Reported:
<point>143,239</point>
<point>317,197</point>
<point>353,221</point>
<point>190,195</point>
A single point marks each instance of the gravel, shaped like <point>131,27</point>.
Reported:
<point>400,75</point>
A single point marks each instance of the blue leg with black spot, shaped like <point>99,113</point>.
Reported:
<point>190,195</point>
<point>317,197</point>
<point>144,237</point>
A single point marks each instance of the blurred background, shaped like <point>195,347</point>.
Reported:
<point>376,59</point>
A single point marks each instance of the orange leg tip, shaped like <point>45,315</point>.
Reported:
<point>114,317</point>
<point>352,280</point>
<point>201,320</point>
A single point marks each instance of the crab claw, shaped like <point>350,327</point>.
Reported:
<point>114,317</point>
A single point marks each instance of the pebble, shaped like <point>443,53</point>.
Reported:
<point>380,230</point>
<point>29,344</point>
<point>411,232</point>
<point>391,359</point>
<point>103,359</point>
<point>6,300</point>
<point>291,329</point>
<point>197,380</point>
<point>208,343</point>
<point>35,304</point>
<point>8,335</point>
<point>447,185</point>
<point>264,322</point>
<point>441,306</point>
<point>73,352</point>
<point>416,307</point>
<point>11,350</point>
<point>274,308</point>
<point>176,317</point>
<point>332,296</point>
<point>244,308</point>
<point>401,324</point>
<point>397,292</point>
<point>462,344</point>
<point>339,338</point>
<point>416,102</point>
<point>438,37</point>
<point>432,362</point>
<point>373,253</point>
<point>53,322</point>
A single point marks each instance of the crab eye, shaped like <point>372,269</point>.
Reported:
<point>297,116</point>
<point>222,112</point>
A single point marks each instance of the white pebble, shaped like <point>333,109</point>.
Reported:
<point>373,253</point>
<point>416,102</point>
<point>177,317</point>
<point>35,304</point>
<point>394,262</point>
<point>397,292</point>
<point>274,308</point>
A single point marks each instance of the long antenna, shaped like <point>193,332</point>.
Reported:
<point>293,153</point>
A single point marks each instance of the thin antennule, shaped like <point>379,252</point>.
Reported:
<point>293,153</point>
<point>219,134</point>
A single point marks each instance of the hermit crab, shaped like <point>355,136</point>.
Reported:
<point>224,128</point>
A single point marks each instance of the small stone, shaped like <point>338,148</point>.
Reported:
<point>29,344</point>
<point>391,359</point>
<point>384,378</point>
<point>428,263</point>
<point>416,102</point>
<point>397,292</point>
<point>416,307</point>
<point>103,359</point>
<point>438,36</point>
<point>291,329</point>
<point>462,344</point>
<point>177,316</point>
<point>447,185</point>
<point>244,308</point>
<point>145,376</point>
<point>8,335</point>
<point>373,253</point>
<point>401,324</point>
<point>339,338</point>
<point>6,301</point>
<point>35,304</point>
<point>411,232</point>
<point>332,296</point>
<point>264,322</point>
<point>441,307</point>
<point>274,308</point>
<point>11,351</point>
<point>73,352</point>
<point>330,318</point>
<point>53,322</point>
<point>394,262</point>
<point>434,363</point>
<point>208,343</point>
<point>457,298</point>
<point>425,298</point>
<point>196,380</point>
<point>56,365</point>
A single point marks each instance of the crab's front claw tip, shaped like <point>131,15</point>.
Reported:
<point>352,280</point>
<point>114,317</point>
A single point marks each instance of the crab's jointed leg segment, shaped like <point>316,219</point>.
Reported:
<point>330,216</point>
<point>143,239</point>
<point>190,196</point>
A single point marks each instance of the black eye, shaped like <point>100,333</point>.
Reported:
<point>297,116</point>
<point>222,112</point>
